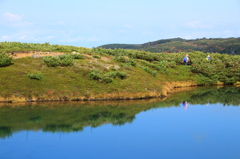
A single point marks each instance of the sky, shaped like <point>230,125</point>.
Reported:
<point>92,23</point>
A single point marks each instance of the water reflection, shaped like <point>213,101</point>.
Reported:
<point>185,104</point>
<point>74,116</point>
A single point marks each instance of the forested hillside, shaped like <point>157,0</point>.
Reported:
<point>212,45</point>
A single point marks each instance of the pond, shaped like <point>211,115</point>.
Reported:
<point>207,126</point>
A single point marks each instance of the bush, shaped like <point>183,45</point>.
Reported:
<point>95,74</point>
<point>52,61</point>
<point>146,69</point>
<point>36,76</point>
<point>116,74</point>
<point>78,56</point>
<point>132,62</point>
<point>66,60</point>
<point>96,56</point>
<point>5,59</point>
<point>111,74</point>
<point>63,60</point>
<point>121,75</point>
<point>107,79</point>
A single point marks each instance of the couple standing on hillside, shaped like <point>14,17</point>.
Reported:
<point>186,59</point>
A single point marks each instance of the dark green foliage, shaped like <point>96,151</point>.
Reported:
<point>95,74</point>
<point>212,45</point>
<point>115,74</point>
<point>36,76</point>
<point>60,128</point>
<point>224,68</point>
<point>121,75</point>
<point>35,119</point>
<point>96,56</point>
<point>107,77</point>
<point>63,60</point>
<point>78,56</point>
<point>132,62</point>
<point>5,132</point>
<point>66,60</point>
<point>122,46</point>
<point>52,61</point>
<point>5,59</point>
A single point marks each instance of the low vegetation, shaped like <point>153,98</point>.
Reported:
<point>93,74</point>
<point>5,59</point>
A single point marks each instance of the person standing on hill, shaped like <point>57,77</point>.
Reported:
<point>208,58</point>
<point>186,59</point>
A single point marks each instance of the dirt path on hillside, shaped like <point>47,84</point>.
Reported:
<point>35,53</point>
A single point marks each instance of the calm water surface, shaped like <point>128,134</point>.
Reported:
<point>147,129</point>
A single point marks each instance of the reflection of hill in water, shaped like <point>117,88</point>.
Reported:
<point>74,116</point>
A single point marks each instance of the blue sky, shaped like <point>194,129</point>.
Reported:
<point>91,23</point>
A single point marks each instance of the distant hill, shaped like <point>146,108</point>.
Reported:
<point>212,45</point>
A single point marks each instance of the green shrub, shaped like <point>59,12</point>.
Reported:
<point>78,56</point>
<point>116,74</point>
<point>5,59</point>
<point>163,65</point>
<point>132,62</point>
<point>121,75</point>
<point>64,56</point>
<point>122,59</point>
<point>63,60</point>
<point>146,69</point>
<point>36,76</point>
<point>96,56</point>
<point>111,74</point>
<point>107,79</point>
<point>67,61</point>
<point>95,74</point>
<point>52,61</point>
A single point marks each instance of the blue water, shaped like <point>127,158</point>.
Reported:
<point>209,131</point>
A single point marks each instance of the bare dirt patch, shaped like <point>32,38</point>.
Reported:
<point>30,54</point>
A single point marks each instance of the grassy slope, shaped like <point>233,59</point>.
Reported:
<point>74,83</point>
<point>148,74</point>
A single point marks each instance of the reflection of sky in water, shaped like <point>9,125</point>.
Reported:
<point>201,131</point>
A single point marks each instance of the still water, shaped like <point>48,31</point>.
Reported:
<point>207,127</point>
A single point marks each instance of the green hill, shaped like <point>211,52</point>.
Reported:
<point>212,45</point>
<point>69,73</point>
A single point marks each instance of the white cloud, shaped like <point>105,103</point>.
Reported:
<point>12,17</point>
<point>198,25</point>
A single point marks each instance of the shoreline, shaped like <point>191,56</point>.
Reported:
<point>168,88</point>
